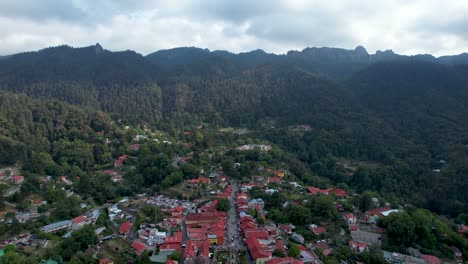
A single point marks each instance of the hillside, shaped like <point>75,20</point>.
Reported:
<point>116,82</point>
<point>405,114</point>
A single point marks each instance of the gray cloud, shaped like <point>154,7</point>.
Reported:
<point>407,27</point>
<point>41,10</point>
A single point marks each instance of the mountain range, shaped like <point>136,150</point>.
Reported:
<point>407,112</point>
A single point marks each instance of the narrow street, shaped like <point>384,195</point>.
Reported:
<point>233,241</point>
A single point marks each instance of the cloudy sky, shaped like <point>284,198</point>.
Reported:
<point>438,27</point>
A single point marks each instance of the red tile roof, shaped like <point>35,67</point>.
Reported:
<point>339,192</point>
<point>257,233</point>
<point>125,228</point>
<point>197,248</point>
<point>138,247</point>
<point>313,190</point>
<point>256,249</point>
<point>378,211</point>
<point>280,246</point>
<point>431,259</point>
<point>274,179</point>
<point>169,247</point>
<point>287,260</point>
<point>318,230</point>
<point>79,219</point>
<point>17,178</point>
<point>176,238</point>
<point>349,216</point>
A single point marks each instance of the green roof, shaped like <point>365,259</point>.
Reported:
<point>2,252</point>
<point>160,258</point>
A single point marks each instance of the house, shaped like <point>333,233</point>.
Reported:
<point>462,230</point>
<point>378,211</point>
<point>274,179</point>
<point>307,257</point>
<point>317,230</point>
<point>23,217</point>
<point>176,211</point>
<point>199,180</point>
<point>339,192</point>
<point>120,160</point>
<point>137,248</point>
<point>196,248</point>
<point>457,254</point>
<point>430,259</point>
<point>313,190</point>
<point>134,147</point>
<point>288,260</point>
<point>79,222</point>
<point>56,226</point>
<point>280,246</point>
<point>157,237</point>
<point>16,179</point>
<point>357,247</point>
<point>124,228</point>
<point>279,173</point>
<point>297,238</point>
<point>353,227</point>
<point>287,228</point>
<point>258,252</point>
<point>350,218</point>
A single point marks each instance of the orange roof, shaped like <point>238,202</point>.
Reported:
<point>169,247</point>
<point>125,227</point>
<point>349,216</point>
<point>256,249</point>
<point>79,219</point>
<point>176,238</point>
<point>138,247</point>
<point>378,211</point>
<point>431,259</point>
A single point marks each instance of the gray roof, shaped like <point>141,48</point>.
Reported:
<point>56,225</point>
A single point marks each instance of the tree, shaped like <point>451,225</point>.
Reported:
<point>373,256</point>
<point>174,255</point>
<point>278,253</point>
<point>299,215</point>
<point>144,258</point>
<point>223,204</point>
<point>324,207</point>
<point>400,229</point>
<point>293,251</point>
<point>423,224</point>
<point>365,201</point>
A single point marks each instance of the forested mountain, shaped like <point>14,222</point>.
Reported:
<point>116,82</point>
<point>403,113</point>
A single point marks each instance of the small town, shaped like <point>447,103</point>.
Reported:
<point>212,215</point>
<point>233,132</point>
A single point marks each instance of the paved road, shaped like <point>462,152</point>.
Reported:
<point>233,241</point>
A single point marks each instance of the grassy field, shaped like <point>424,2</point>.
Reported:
<point>117,250</point>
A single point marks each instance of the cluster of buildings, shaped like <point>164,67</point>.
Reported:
<point>329,191</point>
<point>115,176</point>
<point>261,147</point>
<point>73,224</point>
<point>262,240</point>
